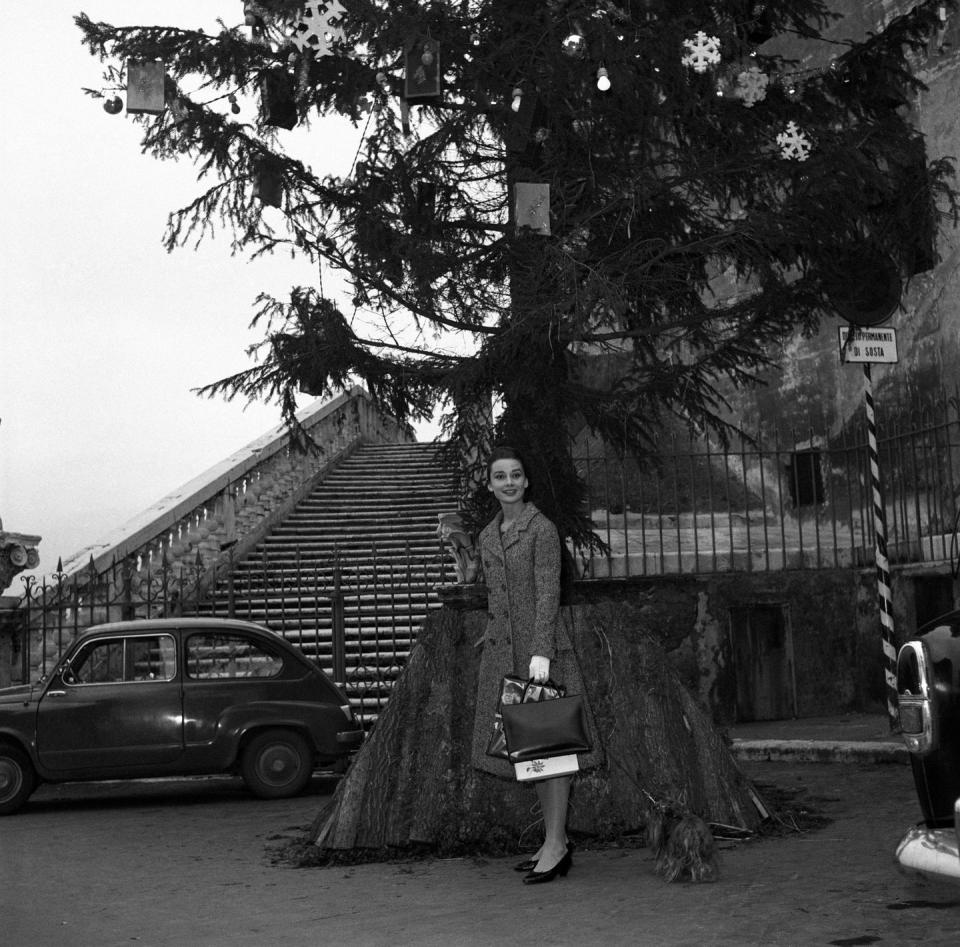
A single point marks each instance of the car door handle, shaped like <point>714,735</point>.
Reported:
<point>56,694</point>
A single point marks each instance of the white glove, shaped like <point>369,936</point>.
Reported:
<point>540,669</point>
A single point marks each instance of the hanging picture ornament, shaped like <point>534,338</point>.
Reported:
<point>794,145</point>
<point>532,206</point>
<point>319,28</point>
<point>146,80</point>
<point>702,52</point>
<point>752,86</point>
<point>422,80</point>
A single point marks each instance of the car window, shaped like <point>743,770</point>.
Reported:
<point>125,660</point>
<point>229,655</point>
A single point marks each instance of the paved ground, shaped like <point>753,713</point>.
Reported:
<point>189,863</point>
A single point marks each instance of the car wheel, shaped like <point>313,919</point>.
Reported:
<point>17,779</point>
<point>276,764</point>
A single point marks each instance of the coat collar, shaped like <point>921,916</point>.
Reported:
<point>500,541</point>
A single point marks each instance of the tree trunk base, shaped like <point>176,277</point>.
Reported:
<point>412,787</point>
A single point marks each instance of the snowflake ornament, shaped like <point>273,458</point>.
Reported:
<point>752,86</point>
<point>702,52</point>
<point>794,145</point>
<point>319,26</point>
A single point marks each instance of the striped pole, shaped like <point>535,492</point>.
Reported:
<point>883,565</point>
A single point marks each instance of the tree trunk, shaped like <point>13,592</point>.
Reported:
<point>412,785</point>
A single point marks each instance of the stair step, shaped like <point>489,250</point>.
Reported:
<point>375,517</point>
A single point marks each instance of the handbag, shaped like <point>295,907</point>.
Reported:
<point>536,731</point>
<point>516,690</point>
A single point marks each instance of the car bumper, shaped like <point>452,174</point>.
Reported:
<point>932,853</point>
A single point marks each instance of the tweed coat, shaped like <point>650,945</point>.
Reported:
<point>521,569</point>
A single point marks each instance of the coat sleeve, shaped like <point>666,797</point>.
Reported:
<point>546,581</point>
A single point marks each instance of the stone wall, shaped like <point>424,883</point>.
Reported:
<point>831,620</point>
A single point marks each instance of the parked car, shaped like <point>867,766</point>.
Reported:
<point>175,697</point>
<point>928,682</point>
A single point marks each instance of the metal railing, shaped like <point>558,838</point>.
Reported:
<point>356,617</point>
<point>801,500</point>
<point>767,503</point>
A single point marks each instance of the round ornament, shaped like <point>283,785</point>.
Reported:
<point>113,105</point>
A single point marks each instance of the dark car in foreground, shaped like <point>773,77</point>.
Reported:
<point>175,697</point>
<point>928,684</point>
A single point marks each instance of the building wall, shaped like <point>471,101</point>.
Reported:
<point>834,663</point>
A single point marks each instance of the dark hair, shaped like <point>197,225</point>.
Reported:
<point>506,452</point>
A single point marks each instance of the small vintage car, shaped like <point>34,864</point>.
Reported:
<point>928,684</point>
<point>175,697</point>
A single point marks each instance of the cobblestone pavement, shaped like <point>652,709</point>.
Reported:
<point>188,863</point>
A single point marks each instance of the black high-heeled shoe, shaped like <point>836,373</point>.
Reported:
<point>530,863</point>
<point>560,869</point>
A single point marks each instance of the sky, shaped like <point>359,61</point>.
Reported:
<point>103,334</point>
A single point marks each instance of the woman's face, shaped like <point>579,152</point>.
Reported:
<point>508,481</point>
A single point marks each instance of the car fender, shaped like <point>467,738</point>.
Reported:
<point>17,738</point>
<point>237,722</point>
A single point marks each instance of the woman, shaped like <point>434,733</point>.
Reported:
<point>520,556</point>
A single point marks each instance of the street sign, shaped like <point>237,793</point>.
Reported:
<point>867,345</point>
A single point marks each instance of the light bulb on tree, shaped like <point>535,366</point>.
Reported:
<point>517,96</point>
<point>603,79</point>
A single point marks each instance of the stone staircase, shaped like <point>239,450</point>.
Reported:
<point>365,536</point>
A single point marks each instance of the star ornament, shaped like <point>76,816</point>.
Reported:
<point>319,27</point>
<point>702,52</point>
<point>794,145</point>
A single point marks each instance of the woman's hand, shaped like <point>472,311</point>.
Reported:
<point>539,669</point>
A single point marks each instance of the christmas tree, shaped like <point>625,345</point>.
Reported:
<point>593,213</point>
<point>542,189</point>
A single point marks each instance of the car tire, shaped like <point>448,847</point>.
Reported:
<point>17,778</point>
<point>276,764</point>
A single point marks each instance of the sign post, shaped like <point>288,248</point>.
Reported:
<point>868,346</point>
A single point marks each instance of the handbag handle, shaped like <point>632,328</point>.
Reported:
<point>559,688</point>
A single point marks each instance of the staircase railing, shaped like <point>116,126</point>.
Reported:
<point>171,553</point>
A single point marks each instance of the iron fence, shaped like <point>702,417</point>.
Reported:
<point>765,503</point>
<point>356,616</point>
<point>770,502</point>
